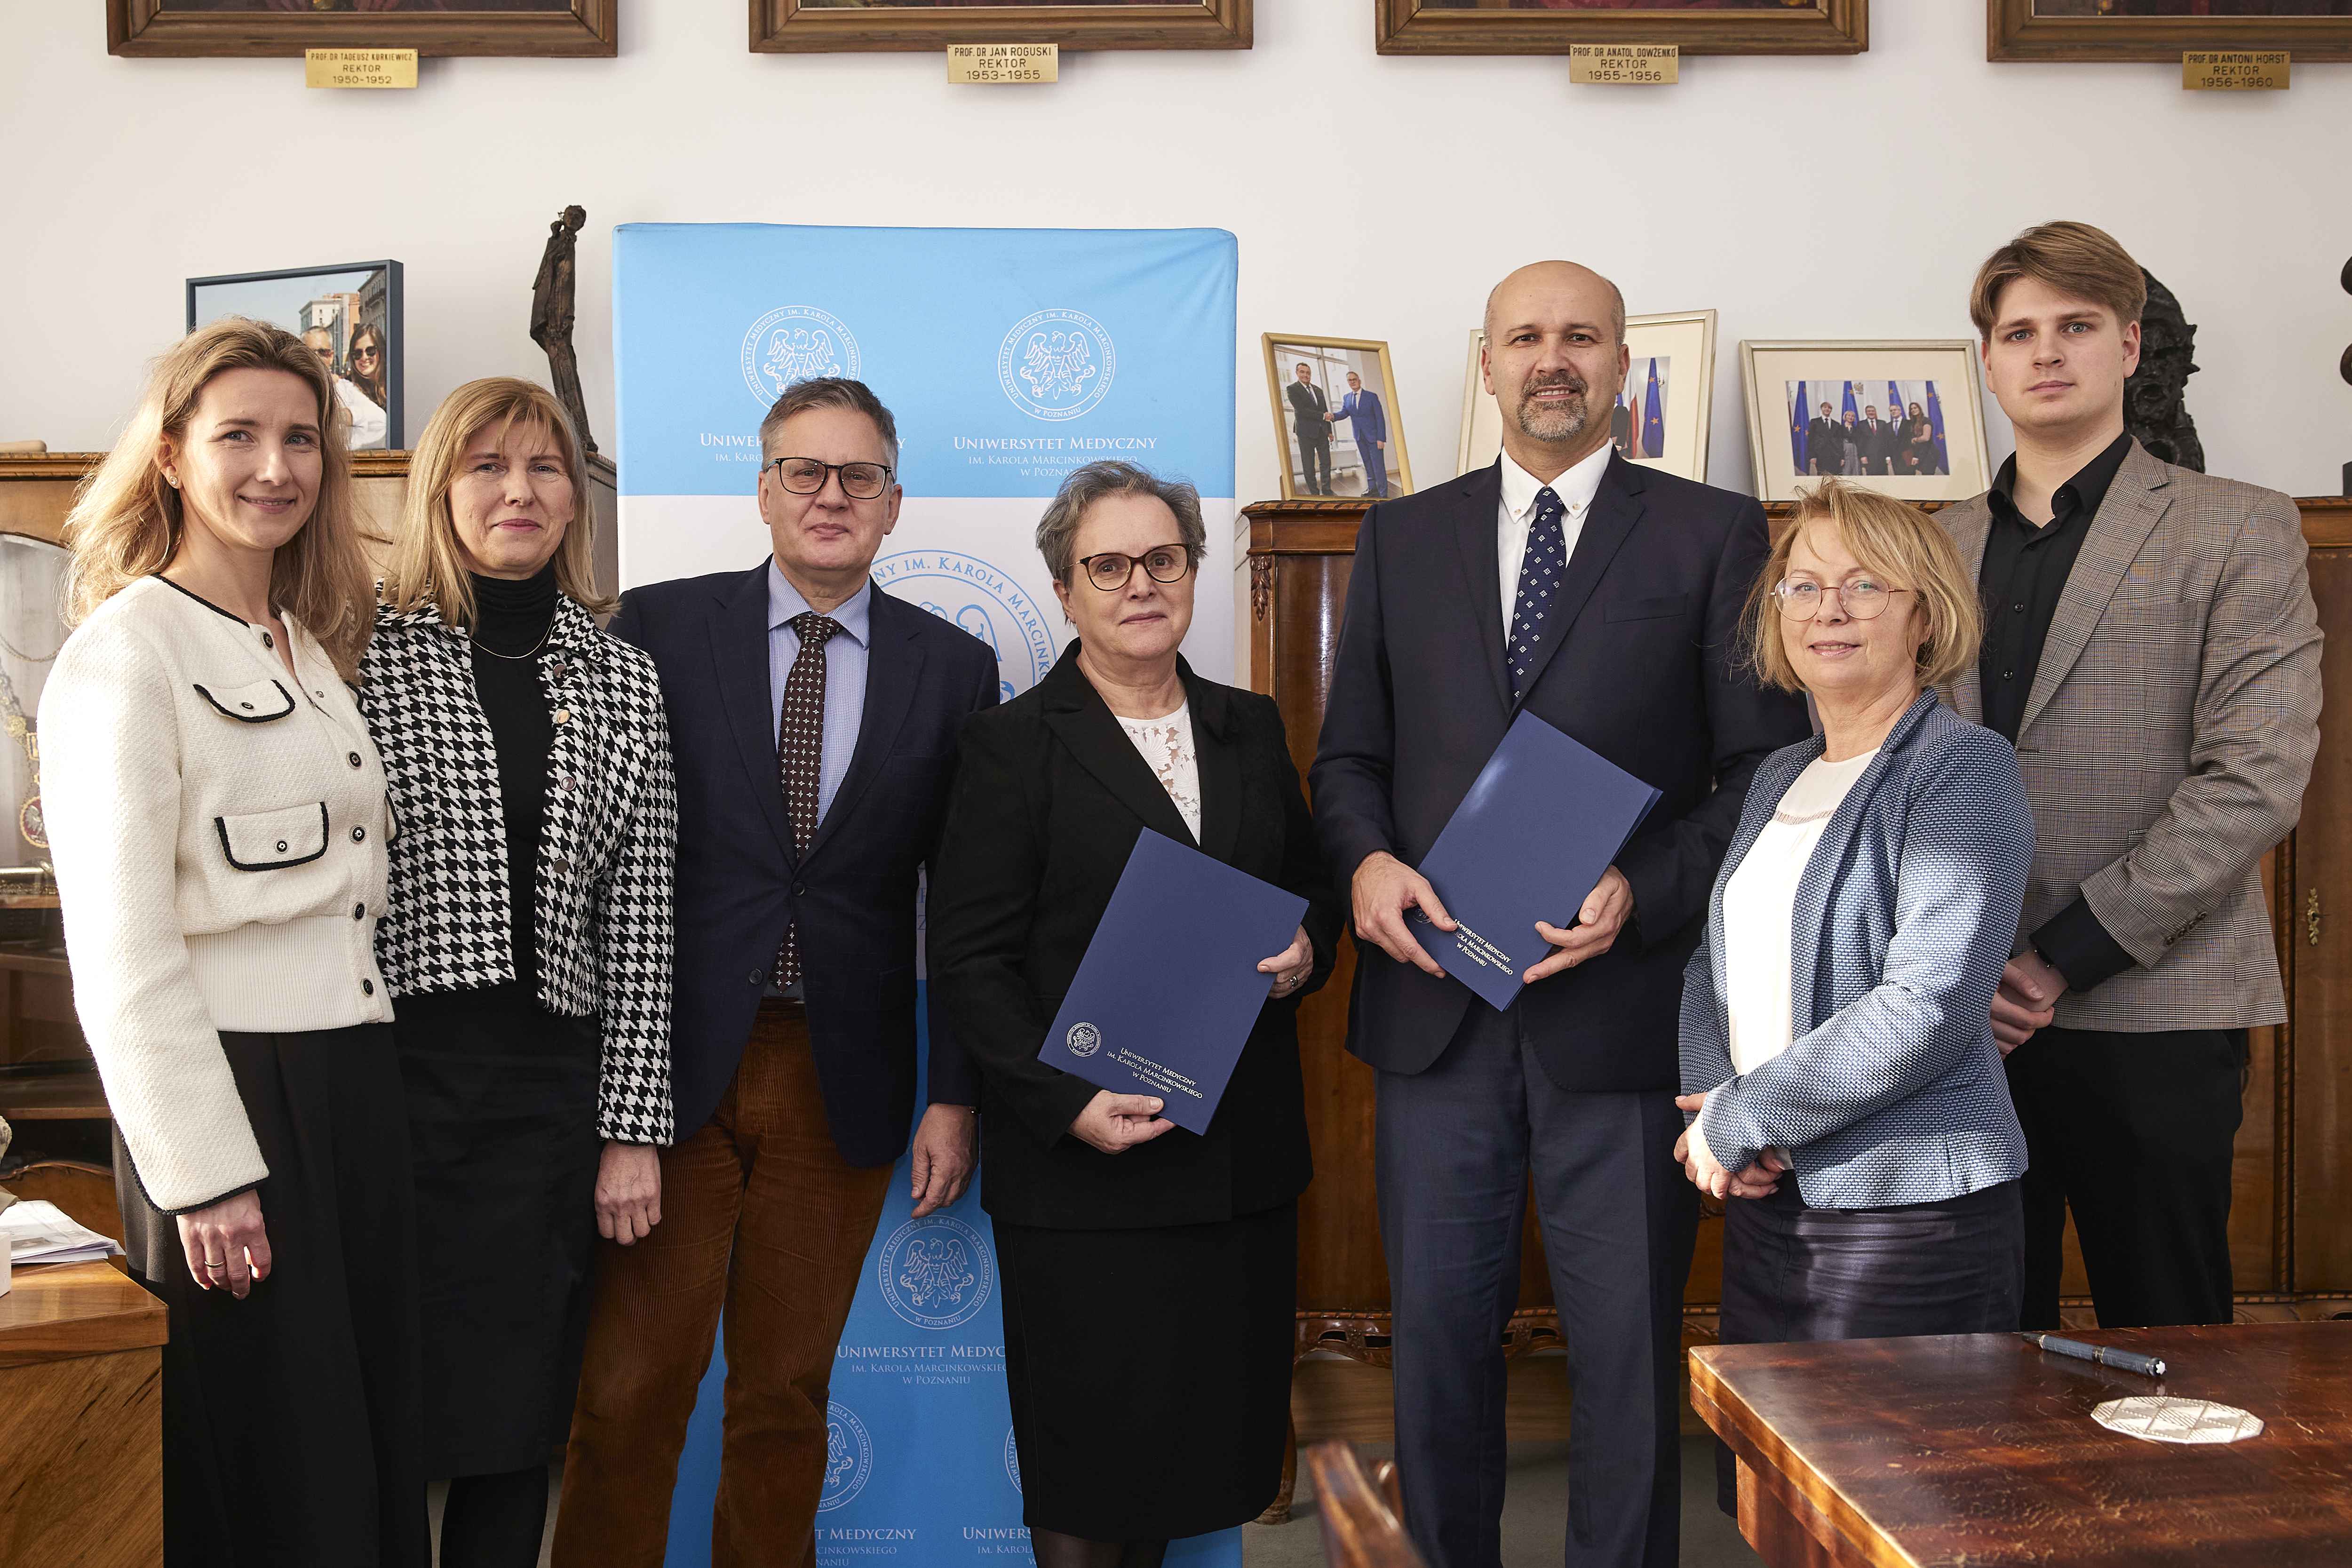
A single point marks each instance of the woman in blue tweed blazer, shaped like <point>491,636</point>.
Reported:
<point>1845,1093</point>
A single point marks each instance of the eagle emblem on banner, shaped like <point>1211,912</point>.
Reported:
<point>1057,365</point>
<point>796,342</point>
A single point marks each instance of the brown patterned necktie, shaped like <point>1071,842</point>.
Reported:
<point>800,755</point>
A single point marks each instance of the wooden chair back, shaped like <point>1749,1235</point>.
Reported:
<point>1362,1511</point>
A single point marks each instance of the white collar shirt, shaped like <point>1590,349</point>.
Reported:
<point>1576,488</point>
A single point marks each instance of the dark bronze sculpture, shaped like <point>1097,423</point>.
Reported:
<point>2153,406</point>
<point>551,316</point>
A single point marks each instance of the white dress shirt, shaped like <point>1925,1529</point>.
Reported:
<point>1759,909</point>
<point>1576,488</point>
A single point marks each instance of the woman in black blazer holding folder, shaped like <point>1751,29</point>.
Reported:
<point>1116,1229</point>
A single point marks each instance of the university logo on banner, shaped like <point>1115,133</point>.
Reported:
<point>936,1272</point>
<point>796,342</point>
<point>848,1457</point>
<point>1012,1459</point>
<point>967,592</point>
<point>1057,365</point>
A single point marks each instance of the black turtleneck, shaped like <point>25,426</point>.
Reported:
<point>509,638</point>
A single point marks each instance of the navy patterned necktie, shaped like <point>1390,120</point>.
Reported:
<point>1540,571</point>
<point>800,755</point>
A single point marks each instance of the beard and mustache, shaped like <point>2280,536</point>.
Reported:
<point>1554,421</point>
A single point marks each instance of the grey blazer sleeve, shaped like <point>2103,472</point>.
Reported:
<point>2257,730</point>
<point>1966,843</point>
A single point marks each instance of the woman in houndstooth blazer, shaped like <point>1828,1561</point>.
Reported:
<point>1838,1063</point>
<point>528,944</point>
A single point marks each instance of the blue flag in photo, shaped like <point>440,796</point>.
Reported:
<point>1653,418</point>
<point>1936,422</point>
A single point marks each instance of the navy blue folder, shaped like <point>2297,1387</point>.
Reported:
<point>1169,990</point>
<point>1545,818</point>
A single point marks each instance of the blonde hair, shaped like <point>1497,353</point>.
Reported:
<point>1894,538</point>
<point>128,521</point>
<point>2078,260</point>
<point>427,564</point>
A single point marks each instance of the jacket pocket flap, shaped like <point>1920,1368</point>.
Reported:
<point>268,840</point>
<point>256,702</point>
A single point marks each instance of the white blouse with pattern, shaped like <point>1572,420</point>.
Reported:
<point>1167,745</point>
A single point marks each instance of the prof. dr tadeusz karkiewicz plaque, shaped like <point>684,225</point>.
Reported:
<point>1169,990</point>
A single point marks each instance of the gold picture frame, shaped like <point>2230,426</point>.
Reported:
<point>2095,30</point>
<point>1329,360</point>
<point>1528,27</point>
<point>812,26</point>
<point>161,29</point>
<point>1675,347</point>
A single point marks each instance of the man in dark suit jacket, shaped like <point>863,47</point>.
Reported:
<point>1367,422</point>
<point>1825,444</point>
<point>1877,442</point>
<point>1623,589</point>
<point>1311,412</point>
<point>812,724</point>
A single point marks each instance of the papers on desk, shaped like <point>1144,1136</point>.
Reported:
<point>1545,817</point>
<point>1169,990</point>
<point>40,1233</point>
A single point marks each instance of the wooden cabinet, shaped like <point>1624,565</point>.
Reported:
<point>2291,1230</point>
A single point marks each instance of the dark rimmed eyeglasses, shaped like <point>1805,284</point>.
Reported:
<point>1863,599</point>
<point>1111,572</point>
<point>806,476</point>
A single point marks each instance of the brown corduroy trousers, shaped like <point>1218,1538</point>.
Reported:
<point>762,1217</point>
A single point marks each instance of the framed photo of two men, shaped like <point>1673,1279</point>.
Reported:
<point>240,27</point>
<point>792,27</point>
<point>1905,418</point>
<point>1335,417</point>
<point>2165,29</point>
<point>1553,26</point>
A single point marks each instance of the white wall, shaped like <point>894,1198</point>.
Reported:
<point>1380,201</point>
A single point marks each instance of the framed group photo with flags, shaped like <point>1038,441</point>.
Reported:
<point>1904,417</point>
<point>1658,417</point>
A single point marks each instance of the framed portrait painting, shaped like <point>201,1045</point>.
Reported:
<point>237,27</point>
<point>1657,418</point>
<point>348,314</point>
<point>1905,417</point>
<point>1335,421</point>
<point>1553,26</point>
<point>2165,29</point>
<point>790,26</point>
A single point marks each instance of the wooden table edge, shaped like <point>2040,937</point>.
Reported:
<point>1809,1498</point>
<point>127,1319</point>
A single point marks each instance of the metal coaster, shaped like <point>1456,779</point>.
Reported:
<point>2158,1419</point>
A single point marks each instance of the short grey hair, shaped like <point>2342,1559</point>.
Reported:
<point>829,392</point>
<point>1057,530</point>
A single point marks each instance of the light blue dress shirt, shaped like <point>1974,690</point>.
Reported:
<point>845,673</point>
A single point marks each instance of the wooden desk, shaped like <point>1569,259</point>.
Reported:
<point>81,1482</point>
<point>1981,1449</point>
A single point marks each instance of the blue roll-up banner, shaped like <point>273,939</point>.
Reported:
<point>1008,357</point>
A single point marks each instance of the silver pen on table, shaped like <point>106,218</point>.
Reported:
<point>2103,1355</point>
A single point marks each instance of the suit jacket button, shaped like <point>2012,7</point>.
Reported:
<point>282,846</point>
<point>560,863</point>
<point>799,889</point>
<point>759,977</point>
<point>359,911</point>
<point>358,835</point>
<point>367,987</point>
<point>354,758</point>
<point>564,715</point>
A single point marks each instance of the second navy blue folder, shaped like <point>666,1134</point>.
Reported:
<point>1545,818</point>
<point>1169,990</point>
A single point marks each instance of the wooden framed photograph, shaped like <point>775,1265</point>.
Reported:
<point>348,314</point>
<point>1904,417</point>
<point>240,27</point>
<point>1551,27</point>
<point>1335,417</point>
<point>1658,418</point>
<point>2165,29</point>
<point>790,26</point>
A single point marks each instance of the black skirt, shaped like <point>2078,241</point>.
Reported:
<point>290,1422</point>
<point>1149,1372</point>
<point>502,1112</point>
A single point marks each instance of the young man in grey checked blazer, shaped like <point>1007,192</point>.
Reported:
<point>2152,651</point>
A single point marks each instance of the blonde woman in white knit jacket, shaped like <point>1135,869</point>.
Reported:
<point>216,815</point>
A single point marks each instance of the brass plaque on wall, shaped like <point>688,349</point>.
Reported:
<point>2234,70</point>
<point>359,67</point>
<point>1004,65</point>
<point>1626,64</point>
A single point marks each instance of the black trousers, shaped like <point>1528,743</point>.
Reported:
<point>1456,1147</point>
<point>1795,1275</point>
<point>2135,1133</point>
<point>1315,447</point>
<point>291,1427</point>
